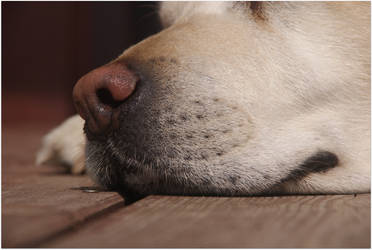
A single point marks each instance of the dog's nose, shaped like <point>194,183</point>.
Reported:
<point>98,94</point>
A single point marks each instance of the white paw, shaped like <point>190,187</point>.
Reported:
<point>65,145</point>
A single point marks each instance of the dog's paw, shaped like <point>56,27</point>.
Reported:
<point>65,145</point>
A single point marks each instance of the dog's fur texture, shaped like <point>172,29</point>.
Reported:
<point>240,99</point>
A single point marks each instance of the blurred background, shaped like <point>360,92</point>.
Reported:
<point>48,46</point>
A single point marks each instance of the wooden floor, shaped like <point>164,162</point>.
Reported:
<point>45,207</point>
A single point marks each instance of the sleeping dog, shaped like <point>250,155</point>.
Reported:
<point>243,98</point>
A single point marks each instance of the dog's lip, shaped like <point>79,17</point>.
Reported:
<point>124,159</point>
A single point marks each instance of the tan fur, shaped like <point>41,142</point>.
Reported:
<point>298,79</point>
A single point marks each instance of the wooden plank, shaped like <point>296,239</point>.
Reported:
<point>39,203</point>
<point>288,221</point>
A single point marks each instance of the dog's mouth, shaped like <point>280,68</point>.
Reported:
<point>135,170</point>
<point>136,175</point>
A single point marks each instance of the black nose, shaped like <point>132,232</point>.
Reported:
<point>98,94</point>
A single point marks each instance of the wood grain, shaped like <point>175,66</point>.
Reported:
<point>41,202</point>
<point>288,221</point>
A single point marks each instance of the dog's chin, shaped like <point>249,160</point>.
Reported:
<point>136,175</point>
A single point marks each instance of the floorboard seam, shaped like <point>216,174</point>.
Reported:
<point>75,226</point>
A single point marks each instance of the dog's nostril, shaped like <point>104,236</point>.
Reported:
<point>105,97</point>
<point>98,94</point>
